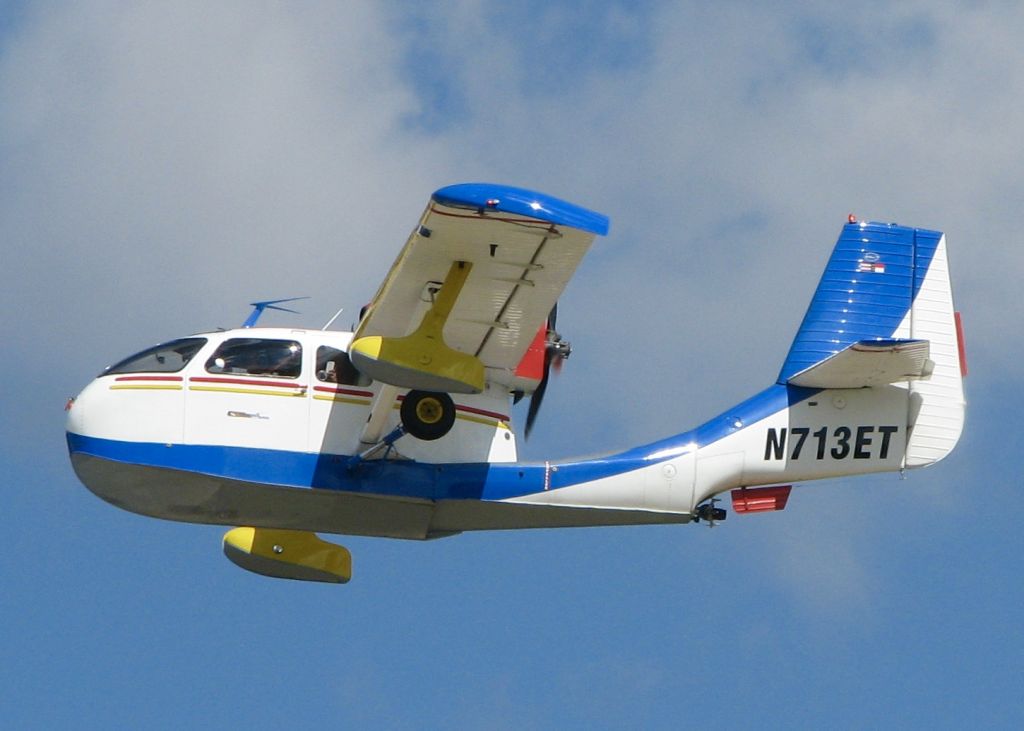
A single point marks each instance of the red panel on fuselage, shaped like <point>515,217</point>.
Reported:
<point>760,499</point>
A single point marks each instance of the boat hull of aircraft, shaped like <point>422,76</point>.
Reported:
<point>193,497</point>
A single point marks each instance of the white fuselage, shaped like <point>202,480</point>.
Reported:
<point>309,412</point>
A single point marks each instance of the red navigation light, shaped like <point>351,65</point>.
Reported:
<point>851,218</point>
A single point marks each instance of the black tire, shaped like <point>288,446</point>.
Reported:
<point>428,415</point>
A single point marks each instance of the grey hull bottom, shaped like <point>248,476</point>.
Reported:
<point>196,498</point>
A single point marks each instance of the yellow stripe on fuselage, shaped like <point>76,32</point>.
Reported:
<point>482,420</point>
<point>254,391</point>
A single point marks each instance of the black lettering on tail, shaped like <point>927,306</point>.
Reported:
<point>775,445</point>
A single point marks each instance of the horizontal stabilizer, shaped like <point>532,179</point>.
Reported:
<point>869,363</point>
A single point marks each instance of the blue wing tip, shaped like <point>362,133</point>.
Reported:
<point>523,202</point>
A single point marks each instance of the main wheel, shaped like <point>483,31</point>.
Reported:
<point>428,415</point>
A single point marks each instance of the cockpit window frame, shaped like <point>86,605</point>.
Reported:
<point>152,356</point>
<point>250,357</point>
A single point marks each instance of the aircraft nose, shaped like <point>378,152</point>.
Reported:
<point>77,410</point>
<point>73,413</point>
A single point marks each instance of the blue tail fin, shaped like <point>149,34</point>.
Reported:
<point>866,291</point>
<point>890,284</point>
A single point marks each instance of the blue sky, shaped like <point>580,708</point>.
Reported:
<point>162,165</point>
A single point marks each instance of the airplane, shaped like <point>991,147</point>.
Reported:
<point>401,429</point>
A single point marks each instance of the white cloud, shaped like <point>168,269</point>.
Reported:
<point>182,159</point>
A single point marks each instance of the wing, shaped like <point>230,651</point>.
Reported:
<point>472,286</point>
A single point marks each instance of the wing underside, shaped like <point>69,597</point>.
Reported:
<point>520,249</point>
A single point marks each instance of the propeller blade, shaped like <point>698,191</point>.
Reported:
<point>537,398</point>
<point>556,351</point>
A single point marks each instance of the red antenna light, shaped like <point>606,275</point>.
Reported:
<point>851,218</point>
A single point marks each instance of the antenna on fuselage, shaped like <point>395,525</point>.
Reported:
<point>331,321</point>
<point>269,305</point>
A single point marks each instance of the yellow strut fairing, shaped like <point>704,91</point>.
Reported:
<point>422,360</point>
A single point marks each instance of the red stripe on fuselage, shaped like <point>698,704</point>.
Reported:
<point>245,382</point>
<point>472,410</point>
<point>481,412</point>
<point>346,391</point>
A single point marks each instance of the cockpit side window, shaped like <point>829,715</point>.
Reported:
<point>333,366</point>
<point>257,357</point>
<point>164,358</point>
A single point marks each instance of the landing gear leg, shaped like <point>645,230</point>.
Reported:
<point>709,513</point>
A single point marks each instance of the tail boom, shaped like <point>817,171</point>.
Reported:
<point>873,383</point>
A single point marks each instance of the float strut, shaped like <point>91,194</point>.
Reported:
<point>386,443</point>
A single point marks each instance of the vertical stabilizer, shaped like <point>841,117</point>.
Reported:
<point>865,293</point>
<point>891,283</point>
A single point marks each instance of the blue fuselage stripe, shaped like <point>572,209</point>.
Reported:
<point>452,481</point>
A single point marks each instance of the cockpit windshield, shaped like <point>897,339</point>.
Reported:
<point>164,358</point>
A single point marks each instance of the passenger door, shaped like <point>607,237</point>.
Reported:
<point>251,392</point>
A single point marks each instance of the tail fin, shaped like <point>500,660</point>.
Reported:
<point>882,313</point>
